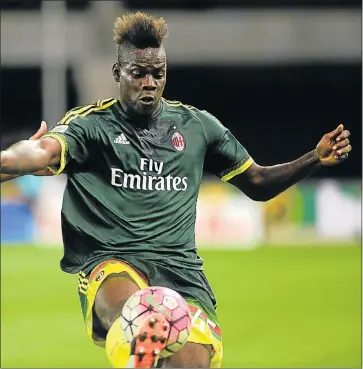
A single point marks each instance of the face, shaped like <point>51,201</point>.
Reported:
<point>141,77</point>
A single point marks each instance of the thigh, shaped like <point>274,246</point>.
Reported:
<point>192,355</point>
<point>206,333</point>
<point>102,292</point>
<point>111,297</point>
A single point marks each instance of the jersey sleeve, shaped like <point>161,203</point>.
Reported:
<point>225,157</point>
<point>74,136</point>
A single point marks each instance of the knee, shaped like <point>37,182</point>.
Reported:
<point>111,297</point>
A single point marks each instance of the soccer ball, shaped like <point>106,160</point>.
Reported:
<point>158,300</point>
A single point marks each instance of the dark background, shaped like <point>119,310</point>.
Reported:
<point>188,4</point>
<point>278,112</point>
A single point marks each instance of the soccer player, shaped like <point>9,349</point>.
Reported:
<point>134,167</point>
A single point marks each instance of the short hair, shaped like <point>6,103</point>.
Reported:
<point>140,30</point>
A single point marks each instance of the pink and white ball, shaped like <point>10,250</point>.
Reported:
<point>158,300</point>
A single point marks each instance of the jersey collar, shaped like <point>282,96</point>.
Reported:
<point>137,120</point>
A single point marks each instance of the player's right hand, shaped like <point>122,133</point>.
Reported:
<point>38,134</point>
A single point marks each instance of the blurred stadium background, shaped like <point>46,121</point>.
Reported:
<point>279,74</point>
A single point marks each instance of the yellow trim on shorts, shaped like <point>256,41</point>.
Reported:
<point>237,171</point>
<point>202,333</point>
<point>82,283</point>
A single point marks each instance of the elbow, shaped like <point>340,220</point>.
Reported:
<point>257,190</point>
<point>5,159</point>
<point>44,160</point>
<point>254,185</point>
<point>260,196</point>
<point>46,156</point>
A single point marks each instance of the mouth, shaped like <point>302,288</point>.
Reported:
<point>147,100</point>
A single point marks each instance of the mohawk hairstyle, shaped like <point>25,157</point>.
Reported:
<point>139,29</point>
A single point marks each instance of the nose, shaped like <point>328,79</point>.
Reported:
<point>148,83</point>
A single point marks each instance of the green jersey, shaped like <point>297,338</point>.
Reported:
<point>132,189</point>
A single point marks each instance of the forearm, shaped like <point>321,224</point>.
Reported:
<point>7,177</point>
<point>264,183</point>
<point>24,157</point>
<point>276,179</point>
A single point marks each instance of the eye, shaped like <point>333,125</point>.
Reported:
<point>159,74</point>
<point>136,73</point>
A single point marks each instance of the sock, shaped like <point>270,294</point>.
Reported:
<point>117,348</point>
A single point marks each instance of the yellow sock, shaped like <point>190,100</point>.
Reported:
<point>117,348</point>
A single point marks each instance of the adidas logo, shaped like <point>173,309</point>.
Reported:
<point>121,139</point>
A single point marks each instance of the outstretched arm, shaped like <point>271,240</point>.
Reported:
<point>27,157</point>
<point>264,183</point>
<point>45,172</point>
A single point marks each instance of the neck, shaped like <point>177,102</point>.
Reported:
<point>139,119</point>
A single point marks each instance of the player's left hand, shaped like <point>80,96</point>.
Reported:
<point>334,147</point>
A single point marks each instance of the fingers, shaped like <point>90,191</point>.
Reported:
<point>345,134</point>
<point>342,147</point>
<point>44,127</point>
<point>341,144</point>
<point>342,157</point>
<point>336,132</point>
<point>41,131</point>
<point>342,154</point>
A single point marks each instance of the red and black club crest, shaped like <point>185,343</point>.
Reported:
<point>178,141</point>
<point>100,276</point>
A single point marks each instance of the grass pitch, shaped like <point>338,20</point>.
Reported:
<point>279,307</point>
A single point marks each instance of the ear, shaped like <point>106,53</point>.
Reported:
<point>116,72</point>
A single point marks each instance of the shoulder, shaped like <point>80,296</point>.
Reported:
<point>212,128</point>
<point>87,114</point>
<point>177,107</point>
<point>202,116</point>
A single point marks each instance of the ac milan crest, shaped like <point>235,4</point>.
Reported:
<point>100,276</point>
<point>178,141</point>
